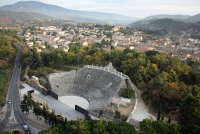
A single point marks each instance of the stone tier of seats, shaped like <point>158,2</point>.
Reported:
<point>135,123</point>
<point>99,87</point>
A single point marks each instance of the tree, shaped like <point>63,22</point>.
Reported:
<point>117,114</point>
<point>175,129</point>
<point>190,129</point>
<point>26,104</point>
<point>128,93</point>
<point>96,58</point>
<point>52,117</point>
<point>169,120</point>
<point>36,109</point>
<point>190,105</point>
<point>161,127</point>
<point>158,117</point>
<point>126,128</point>
<point>146,127</point>
<point>99,126</point>
<point>45,111</point>
<point>61,119</point>
<point>69,57</point>
<point>87,59</point>
<point>54,33</point>
<point>112,127</point>
<point>82,127</point>
<point>162,118</point>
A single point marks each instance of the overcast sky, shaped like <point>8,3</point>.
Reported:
<point>134,8</point>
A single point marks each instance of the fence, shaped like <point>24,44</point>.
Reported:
<point>54,95</point>
<point>83,111</point>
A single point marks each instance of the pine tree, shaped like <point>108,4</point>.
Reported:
<point>169,120</point>
<point>158,117</point>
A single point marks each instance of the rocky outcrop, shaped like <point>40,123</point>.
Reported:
<point>34,82</point>
<point>26,74</point>
<point>45,82</point>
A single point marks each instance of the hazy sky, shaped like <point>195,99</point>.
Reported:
<point>134,8</point>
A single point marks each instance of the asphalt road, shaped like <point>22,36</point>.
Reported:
<point>14,119</point>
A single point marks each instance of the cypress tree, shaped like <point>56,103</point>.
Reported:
<point>158,117</point>
<point>169,120</point>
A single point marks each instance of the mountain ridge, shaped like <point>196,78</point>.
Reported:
<point>22,15</point>
<point>63,13</point>
<point>173,26</point>
<point>184,18</point>
<point>163,16</point>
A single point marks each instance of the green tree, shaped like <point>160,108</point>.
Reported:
<point>69,57</point>
<point>82,127</point>
<point>158,117</point>
<point>112,127</point>
<point>146,127</point>
<point>26,104</point>
<point>128,93</point>
<point>37,109</point>
<point>87,59</point>
<point>52,117</point>
<point>175,129</point>
<point>45,111</point>
<point>54,33</point>
<point>161,127</point>
<point>190,129</point>
<point>190,106</point>
<point>99,126</point>
<point>126,128</point>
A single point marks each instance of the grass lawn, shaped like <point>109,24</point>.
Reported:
<point>3,85</point>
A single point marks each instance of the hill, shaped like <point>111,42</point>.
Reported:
<point>194,19</point>
<point>22,15</point>
<point>168,24</point>
<point>184,18</point>
<point>163,16</point>
<point>63,13</point>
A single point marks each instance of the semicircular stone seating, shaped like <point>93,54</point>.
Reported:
<point>98,86</point>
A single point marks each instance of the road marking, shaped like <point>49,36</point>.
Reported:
<point>12,117</point>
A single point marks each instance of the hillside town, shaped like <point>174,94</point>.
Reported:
<point>52,37</point>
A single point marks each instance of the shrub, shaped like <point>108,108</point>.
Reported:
<point>128,93</point>
<point>117,115</point>
<point>40,72</point>
<point>3,65</point>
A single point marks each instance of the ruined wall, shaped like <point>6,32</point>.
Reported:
<point>34,82</point>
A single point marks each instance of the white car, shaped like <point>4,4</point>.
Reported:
<point>25,127</point>
<point>9,101</point>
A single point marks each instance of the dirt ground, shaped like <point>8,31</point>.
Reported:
<point>125,111</point>
<point>174,117</point>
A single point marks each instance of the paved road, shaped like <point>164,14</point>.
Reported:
<point>14,118</point>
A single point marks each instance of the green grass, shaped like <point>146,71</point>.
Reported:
<point>3,86</point>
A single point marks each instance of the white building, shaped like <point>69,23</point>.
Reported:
<point>30,44</point>
<point>136,38</point>
<point>114,43</point>
<point>118,37</point>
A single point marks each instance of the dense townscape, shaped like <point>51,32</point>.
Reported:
<point>118,37</point>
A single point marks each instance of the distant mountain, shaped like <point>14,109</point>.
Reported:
<point>63,13</point>
<point>167,24</point>
<point>194,19</point>
<point>22,15</point>
<point>184,18</point>
<point>163,16</point>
